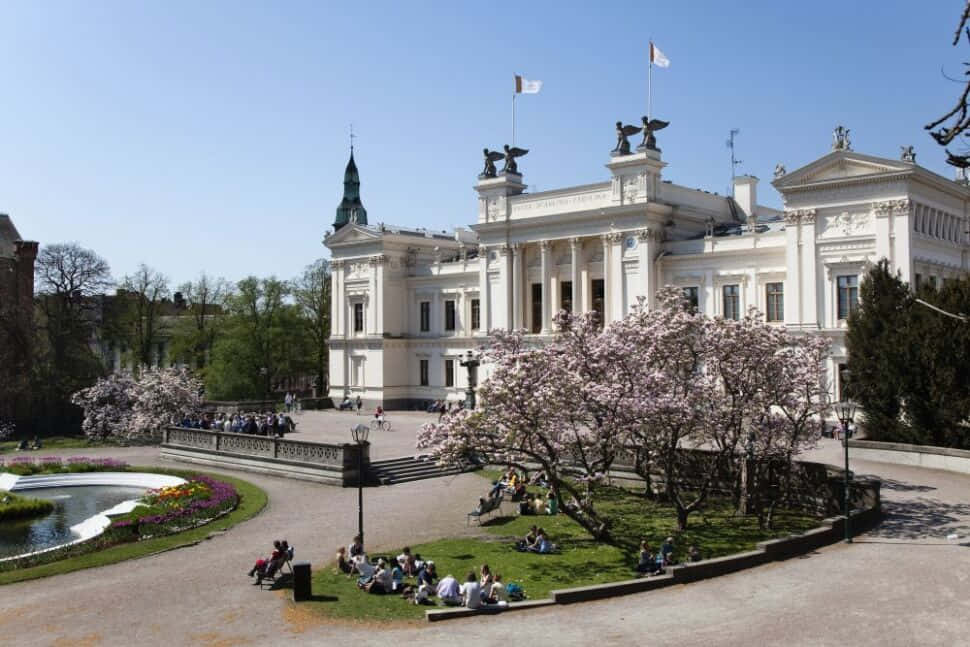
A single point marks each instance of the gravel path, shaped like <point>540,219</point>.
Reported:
<point>902,584</point>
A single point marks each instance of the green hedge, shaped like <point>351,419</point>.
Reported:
<point>18,507</point>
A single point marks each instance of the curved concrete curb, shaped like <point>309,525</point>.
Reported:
<point>927,456</point>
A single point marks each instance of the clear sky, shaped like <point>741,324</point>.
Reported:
<point>213,135</point>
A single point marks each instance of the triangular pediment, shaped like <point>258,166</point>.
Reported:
<point>840,166</point>
<point>351,234</point>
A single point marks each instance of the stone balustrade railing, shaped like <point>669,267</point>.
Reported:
<point>336,464</point>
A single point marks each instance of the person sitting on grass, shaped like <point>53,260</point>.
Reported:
<point>427,575</point>
<point>542,543</point>
<point>449,591</point>
<point>471,592</point>
<point>486,579</point>
<point>356,547</point>
<point>647,561</point>
<point>365,569</point>
<point>519,492</point>
<point>496,592</point>
<point>552,503</point>
<point>397,577</point>
<point>343,565</point>
<point>693,555</point>
<point>383,581</point>
<point>406,561</point>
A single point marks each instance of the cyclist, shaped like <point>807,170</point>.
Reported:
<point>379,415</point>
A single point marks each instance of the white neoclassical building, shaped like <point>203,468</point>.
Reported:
<point>408,304</point>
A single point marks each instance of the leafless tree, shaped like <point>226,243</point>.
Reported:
<point>311,291</point>
<point>144,291</point>
<point>205,301</point>
<point>959,116</point>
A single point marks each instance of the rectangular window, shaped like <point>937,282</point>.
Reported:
<point>732,302</point>
<point>449,372</point>
<point>932,282</point>
<point>536,307</point>
<point>848,295</point>
<point>775,301</point>
<point>476,314</point>
<point>423,366</point>
<point>598,294</point>
<point>691,295</point>
<point>425,316</point>
<point>358,317</point>
<point>449,315</point>
<point>566,296</point>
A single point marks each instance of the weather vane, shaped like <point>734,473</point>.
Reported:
<point>352,135</point>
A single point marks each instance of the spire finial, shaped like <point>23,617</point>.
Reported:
<point>352,135</point>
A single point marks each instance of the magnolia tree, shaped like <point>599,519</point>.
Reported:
<point>546,406</point>
<point>658,384</point>
<point>107,406</point>
<point>124,407</point>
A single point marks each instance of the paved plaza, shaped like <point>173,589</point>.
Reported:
<point>331,426</point>
<point>902,584</point>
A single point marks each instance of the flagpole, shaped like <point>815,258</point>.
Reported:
<point>650,82</point>
<point>513,117</point>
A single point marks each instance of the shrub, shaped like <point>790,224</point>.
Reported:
<point>13,506</point>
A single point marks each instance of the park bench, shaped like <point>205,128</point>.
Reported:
<point>491,505</point>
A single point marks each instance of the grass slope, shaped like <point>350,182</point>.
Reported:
<point>251,501</point>
<point>582,560</point>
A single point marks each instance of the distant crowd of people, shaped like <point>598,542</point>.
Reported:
<point>257,424</point>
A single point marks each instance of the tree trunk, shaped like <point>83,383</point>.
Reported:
<point>682,514</point>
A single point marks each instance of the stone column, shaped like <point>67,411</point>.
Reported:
<point>517,252</point>
<point>546,292</point>
<point>370,327</point>
<point>607,280</point>
<point>379,262</point>
<point>483,290</point>
<point>336,270</point>
<point>503,297</point>
<point>616,275</point>
<point>647,253</point>
<point>574,275</point>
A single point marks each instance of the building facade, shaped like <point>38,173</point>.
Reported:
<point>408,304</point>
<point>17,257</point>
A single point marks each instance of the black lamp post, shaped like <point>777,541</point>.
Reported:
<point>360,433</point>
<point>845,411</point>
<point>472,364</point>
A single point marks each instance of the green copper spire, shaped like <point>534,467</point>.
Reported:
<point>351,209</point>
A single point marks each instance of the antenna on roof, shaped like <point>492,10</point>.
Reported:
<point>734,162</point>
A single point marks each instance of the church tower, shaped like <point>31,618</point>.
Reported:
<point>351,209</point>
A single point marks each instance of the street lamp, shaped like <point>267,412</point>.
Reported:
<point>845,411</point>
<point>360,432</point>
<point>472,364</point>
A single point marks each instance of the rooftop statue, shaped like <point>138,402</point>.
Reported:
<point>622,138</point>
<point>840,139</point>
<point>490,158</point>
<point>780,171</point>
<point>511,152</point>
<point>649,128</point>
<point>908,154</point>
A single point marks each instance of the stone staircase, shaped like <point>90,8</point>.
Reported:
<point>410,468</point>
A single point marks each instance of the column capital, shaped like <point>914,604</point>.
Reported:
<point>377,259</point>
<point>337,264</point>
<point>504,250</point>
<point>574,242</point>
<point>612,237</point>
<point>544,246</point>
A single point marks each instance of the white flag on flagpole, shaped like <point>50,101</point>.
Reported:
<point>657,57</point>
<point>525,86</point>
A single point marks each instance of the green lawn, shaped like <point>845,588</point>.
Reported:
<point>582,560</point>
<point>13,506</point>
<point>251,501</point>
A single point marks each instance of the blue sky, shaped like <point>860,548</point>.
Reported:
<point>213,136</point>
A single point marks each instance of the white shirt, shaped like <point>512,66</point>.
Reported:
<point>498,592</point>
<point>473,594</point>
<point>448,588</point>
<point>365,568</point>
<point>402,559</point>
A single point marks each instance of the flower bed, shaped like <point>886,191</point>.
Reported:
<point>174,509</point>
<point>30,466</point>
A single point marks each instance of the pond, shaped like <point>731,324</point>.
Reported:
<point>72,505</point>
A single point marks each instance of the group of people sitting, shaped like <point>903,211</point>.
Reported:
<point>388,576</point>
<point>349,405</point>
<point>267,567</point>
<point>650,563</point>
<point>258,424</point>
<point>514,484</point>
<point>24,446</point>
<point>536,541</point>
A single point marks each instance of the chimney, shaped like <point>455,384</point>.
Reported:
<point>746,195</point>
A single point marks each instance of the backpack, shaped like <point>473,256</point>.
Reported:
<point>515,592</point>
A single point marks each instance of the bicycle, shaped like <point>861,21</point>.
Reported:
<point>382,425</point>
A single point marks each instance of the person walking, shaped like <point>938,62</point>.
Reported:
<point>358,404</point>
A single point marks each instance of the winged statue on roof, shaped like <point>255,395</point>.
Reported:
<point>511,152</point>
<point>490,158</point>
<point>623,134</point>
<point>650,126</point>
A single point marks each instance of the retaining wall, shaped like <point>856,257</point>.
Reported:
<point>318,462</point>
<point>937,458</point>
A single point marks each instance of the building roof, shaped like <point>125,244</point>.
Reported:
<point>351,208</point>
<point>8,234</point>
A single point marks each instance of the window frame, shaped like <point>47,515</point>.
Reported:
<point>449,373</point>
<point>423,377</point>
<point>476,314</point>
<point>776,296</point>
<point>358,317</point>
<point>844,308</point>
<point>734,299</point>
<point>451,315</point>
<point>424,316</point>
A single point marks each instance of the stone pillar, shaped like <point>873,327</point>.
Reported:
<point>546,292</point>
<point>370,326</point>
<point>379,262</point>
<point>574,275</point>
<point>503,297</point>
<point>517,252</point>
<point>484,295</point>
<point>809,287</point>
<point>607,280</point>
<point>616,275</point>
<point>334,297</point>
